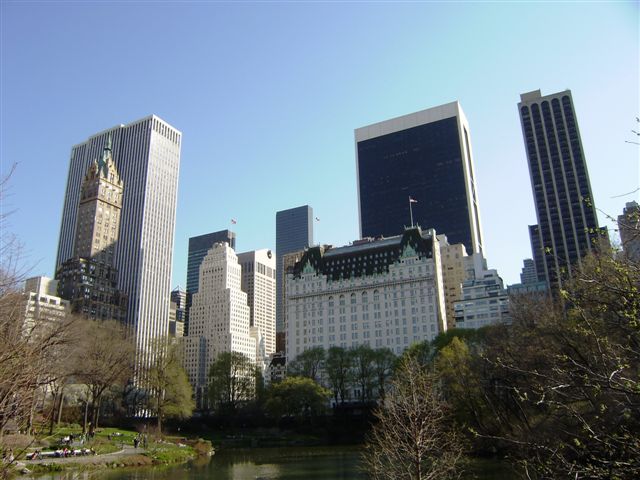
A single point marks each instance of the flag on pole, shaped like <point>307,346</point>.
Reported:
<point>233,221</point>
<point>411,200</point>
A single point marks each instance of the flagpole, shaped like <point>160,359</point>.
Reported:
<point>411,211</point>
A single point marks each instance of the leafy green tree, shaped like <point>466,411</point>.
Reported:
<point>469,335</point>
<point>232,380</point>
<point>298,397</point>
<point>412,438</point>
<point>169,390</point>
<point>566,377</point>
<point>364,372</point>
<point>383,362</point>
<point>338,369</point>
<point>308,363</point>
<point>460,383</point>
<point>421,352</point>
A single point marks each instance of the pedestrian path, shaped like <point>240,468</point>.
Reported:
<point>126,451</point>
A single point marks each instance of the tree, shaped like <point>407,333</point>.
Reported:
<point>460,383</point>
<point>298,397</point>
<point>566,377</point>
<point>383,362</point>
<point>338,368</point>
<point>170,393</point>
<point>412,438</point>
<point>308,363</point>
<point>29,356</point>
<point>232,380</point>
<point>104,360</point>
<point>364,373</point>
<point>421,352</point>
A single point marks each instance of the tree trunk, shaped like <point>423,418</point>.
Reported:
<point>53,413</point>
<point>60,407</point>
<point>86,414</point>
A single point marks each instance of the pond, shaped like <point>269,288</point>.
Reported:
<point>308,463</point>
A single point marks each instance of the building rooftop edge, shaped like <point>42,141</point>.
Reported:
<point>536,96</point>
<point>123,125</point>
<point>403,122</point>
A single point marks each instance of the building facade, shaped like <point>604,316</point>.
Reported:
<point>567,227</point>
<point>528,273</point>
<point>426,156</point>
<point>259,283</point>
<point>146,154</point>
<point>294,232</point>
<point>454,273</point>
<point>484,302</point>
<point>198,248</point>
<point>629,228</point>
<point>89,280</point>
<point>219,318</point>
<point>382,293</point>
<point>41,304</point>
<point>179,297</point>
<point>288,264</point>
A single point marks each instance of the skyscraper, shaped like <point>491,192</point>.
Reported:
<point>198,248</point>
<point>259,283</point>
<point>89,280</point>
<point>219,318</point>
<point>179,304</point>
<point>294,231</point>
<point>147,156</point>
<point>425,156</point>
<point>629,228</point>
<point>567,226</point>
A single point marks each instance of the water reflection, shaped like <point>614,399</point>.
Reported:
<point>318,463</point>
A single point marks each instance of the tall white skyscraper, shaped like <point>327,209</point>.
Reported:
<point>259,283</point>
<point>147,156</point>
<point>218,318</point>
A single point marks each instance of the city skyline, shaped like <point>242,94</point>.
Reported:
<point>305,99</point>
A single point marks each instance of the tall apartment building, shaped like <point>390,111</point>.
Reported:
<point>177,312</point>
<point>426,156</point>
<point>288,264</point>
<point>629,227</point>
<point>454,273</point>
<point>179,297</point>
<point>146,153</point>
<point>294,232</point>
<point>484,301</point>
<point>377,292</point>
<point>219,318</point>
<point>41,304</point>
<point>528,273</point>
<point>565,209</point>
<point>89,279</point>
<point>198,248</point>
<point>259,283</point>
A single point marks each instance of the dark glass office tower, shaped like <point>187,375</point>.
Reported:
<point>567,223</point>
<point>426,156</point>
<point>294,232</point>
<point>198,248</point>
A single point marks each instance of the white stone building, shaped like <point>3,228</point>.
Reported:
<point>42,303</point>
<point>484,301</point>
<point>383,293</point>
<point>259,283</point>
<point>218,318</point>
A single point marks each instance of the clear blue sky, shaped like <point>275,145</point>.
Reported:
<point>268,94</point>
